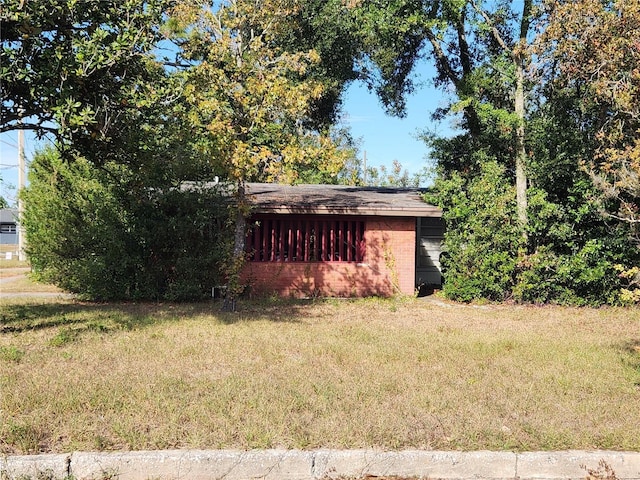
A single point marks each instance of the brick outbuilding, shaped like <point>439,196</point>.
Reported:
<point>341,241</point>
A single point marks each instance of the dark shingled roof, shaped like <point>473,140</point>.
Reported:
<point>339,199</point>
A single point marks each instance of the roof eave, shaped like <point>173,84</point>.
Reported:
<point>429,211</point>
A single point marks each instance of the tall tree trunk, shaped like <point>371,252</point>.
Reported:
<point>518,55</point>
<point>521,153</point>
<point>519,58</point>
<point>234,286</point>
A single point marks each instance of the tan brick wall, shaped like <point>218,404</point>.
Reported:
<point>388,267</point>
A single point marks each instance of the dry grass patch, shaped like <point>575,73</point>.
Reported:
<point>13,272</point>
<point>392,374</point>
<point>21,283</point>
<point>9,247</point>
<point>14,262</point>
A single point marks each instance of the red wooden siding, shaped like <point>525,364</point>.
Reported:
<point>306,239</point>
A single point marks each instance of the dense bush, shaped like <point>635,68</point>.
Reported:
<point>482,240</point>
<point>586,277</point>
<point>572,251</point>
<point>571,255</point>
<point>95,232</point>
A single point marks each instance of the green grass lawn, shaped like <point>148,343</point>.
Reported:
<point>394,374</point>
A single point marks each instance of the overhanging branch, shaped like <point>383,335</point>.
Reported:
<point>28,126</point>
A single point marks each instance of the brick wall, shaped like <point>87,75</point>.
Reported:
<point>388,267</point>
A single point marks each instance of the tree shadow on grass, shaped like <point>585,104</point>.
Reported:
<point>632,358</point>
<point>21,317</point>
<point>269,309</point>
<point>38,316</point>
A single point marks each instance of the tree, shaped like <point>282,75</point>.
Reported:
<point>72,68</point>
<point>328,28</point>
<point>244,99</point>
<point>591,48</point>
<point>481,54</point>
<point>588,62</point>
<point>250,101</point>
<point>511,113</point>
<point>481,51</point>
<point>395,177</point>
<point>3,201</point>
<point>484,55</point>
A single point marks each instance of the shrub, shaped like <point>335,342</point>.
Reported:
<point>101,233</point>
<point>482,238</point>
<point>584,277</point>
<point>570,255</point>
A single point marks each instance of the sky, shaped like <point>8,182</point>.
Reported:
<point>383,138</point>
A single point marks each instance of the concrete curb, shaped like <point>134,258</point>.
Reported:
<point>319,464</point>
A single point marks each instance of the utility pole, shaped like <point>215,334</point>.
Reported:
<point>21,175</point>
<point>364,168</point>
